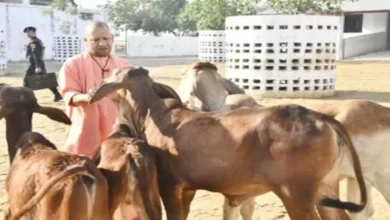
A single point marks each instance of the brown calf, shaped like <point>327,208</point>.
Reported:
<point>17,107</point>
<point>286,149</point>
<point>129,167</point>
<point>47,184</point>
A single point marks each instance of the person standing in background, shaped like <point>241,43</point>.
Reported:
<point>34,54</point>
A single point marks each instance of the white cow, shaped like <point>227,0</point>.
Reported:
<point>368,123</point>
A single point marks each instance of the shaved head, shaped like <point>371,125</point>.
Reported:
<point>98,38</point>
<point>94,25</point>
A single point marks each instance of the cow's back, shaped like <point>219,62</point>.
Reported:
<point>68,199</point>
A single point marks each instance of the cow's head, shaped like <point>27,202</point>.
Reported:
<point>202,88</point>
<point>17,107</point>
<point>129,167</point>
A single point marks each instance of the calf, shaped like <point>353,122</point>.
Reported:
<point>44,183</point>
<point>129,167</point>
<point>17,107</point>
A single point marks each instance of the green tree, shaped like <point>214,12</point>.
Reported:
<point>153,16</point>
<point>211,14</point>
<point>188,18</point>
<point>307,6</point>
<point>126,14</point>
<point>69,7</point>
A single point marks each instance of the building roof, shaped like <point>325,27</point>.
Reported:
<point>366,6</point>
<point>358,6</point>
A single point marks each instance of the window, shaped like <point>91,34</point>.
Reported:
<point>86,16</point>
<point>12,1</point>
<point>353,23</point>
<point>40,2</point>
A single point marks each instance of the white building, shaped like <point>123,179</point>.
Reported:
<point>366,27</point>
<point>15,15</point>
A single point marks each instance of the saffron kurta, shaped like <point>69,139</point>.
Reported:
<point>91,124</point>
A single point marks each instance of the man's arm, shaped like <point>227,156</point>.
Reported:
<point>70,85</point>
<point>27,52</point>
<point>80,99</point>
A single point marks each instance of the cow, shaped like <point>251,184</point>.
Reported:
<point>17,107</point>
<point>129,167</point>
<point>223,95</point>
<point>286,149</point>
<point>367,122</point>
<point>44,183</point>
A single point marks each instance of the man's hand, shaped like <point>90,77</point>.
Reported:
<point>38,70</point>
<point>83,98</point>
<point>91,91</point>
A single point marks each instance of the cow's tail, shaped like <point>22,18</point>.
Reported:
<point>42,191</point>
<point>335,203</point>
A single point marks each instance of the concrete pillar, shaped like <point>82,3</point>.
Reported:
<point>388,31</point>
<point>340,40</point>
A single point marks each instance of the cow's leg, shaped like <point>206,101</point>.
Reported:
<point>329,187</point>
<point>299,198</point>
<point>247,208</point>
<point>353,195</point>
<point>171,197</point>
<point>7,213</point>
<point>47,208</point>
<point>380,181</point>
<point>299,211</point>
<point>230,211</point>
<point>327,213</point>
<point>187,197</point>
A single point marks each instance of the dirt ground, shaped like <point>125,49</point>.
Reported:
<point>354,81</point>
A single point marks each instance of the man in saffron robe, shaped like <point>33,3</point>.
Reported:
<point>79,75</point>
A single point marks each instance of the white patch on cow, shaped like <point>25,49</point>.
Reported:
<point>285,191</point>
<point>230,212</point>
<point>247,209</point>
<point>374,154</point>
<point>185,87</point>
<point>91,195</point>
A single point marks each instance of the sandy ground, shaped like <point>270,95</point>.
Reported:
<point>354,81</point>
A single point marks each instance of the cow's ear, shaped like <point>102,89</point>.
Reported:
<point>5,111</point>
<point>53,113</point>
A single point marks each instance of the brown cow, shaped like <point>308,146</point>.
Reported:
<point>17,107</point>
<point>287,149</point>
<point>367,122</point>
<point>129,167</point>
<point>44,183</point>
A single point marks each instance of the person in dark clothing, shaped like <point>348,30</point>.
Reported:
<point>34,53</point>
